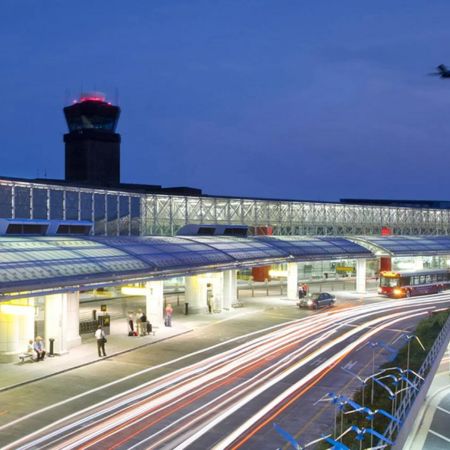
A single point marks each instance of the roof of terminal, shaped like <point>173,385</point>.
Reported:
<point>47,262</point>
<point>39,263</point>
<point>406,245</point>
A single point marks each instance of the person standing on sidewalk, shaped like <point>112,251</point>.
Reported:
<point>169,313</point>
<point>101,340</point>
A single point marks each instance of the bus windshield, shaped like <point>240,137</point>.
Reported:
<point>389,282</point>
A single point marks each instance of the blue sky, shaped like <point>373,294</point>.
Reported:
<point>314,100</point>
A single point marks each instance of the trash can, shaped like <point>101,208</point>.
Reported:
<point>186,309</point>
<point>52,347</point>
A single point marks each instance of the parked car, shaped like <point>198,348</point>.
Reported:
<point>316,301</point>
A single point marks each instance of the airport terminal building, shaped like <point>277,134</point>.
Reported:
<point>92,230</point>
<point>92,192</point>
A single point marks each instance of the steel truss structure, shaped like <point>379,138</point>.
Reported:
<point>165,214</point>
<point>113,213</point>
<point>118,213</point>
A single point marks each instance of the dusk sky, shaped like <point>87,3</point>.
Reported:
<point>312,100</point>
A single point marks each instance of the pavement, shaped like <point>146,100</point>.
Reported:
<point>17,373</point>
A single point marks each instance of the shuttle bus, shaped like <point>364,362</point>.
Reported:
<point>419,282</point>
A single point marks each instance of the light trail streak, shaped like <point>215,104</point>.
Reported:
<point>101,429</point>
<point>334,361</point>
<point>167,395</point>
<point>314,373</point>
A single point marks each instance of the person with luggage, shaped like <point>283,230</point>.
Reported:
<point>143,324</point>
<point>101,341</point>
<point>168,318</point>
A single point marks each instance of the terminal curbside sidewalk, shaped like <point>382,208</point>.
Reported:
<point>90,347</point>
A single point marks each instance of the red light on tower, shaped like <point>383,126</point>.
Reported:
<point>92,97</point>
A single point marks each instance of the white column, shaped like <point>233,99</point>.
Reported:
<point>154,302</point>
<point>56,314</point>
<point>234,292</point>
<point>195,294</point>
<point>292,281</point>
<point>217,282</point>
<point>361,276</point>
<point>73,319</point>
<point>229,288</point>
<point>16,329</point>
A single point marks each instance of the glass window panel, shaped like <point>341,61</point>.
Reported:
<point>135,215</point>
<point>99,214</point>
<point>5,201</point>
<point>86,206</point>
<point>56,205</point>
<point>39,203</point>
<point>22,203</point>
<point>71,205</point>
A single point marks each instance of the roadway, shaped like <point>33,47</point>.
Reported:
<point>213,391</point>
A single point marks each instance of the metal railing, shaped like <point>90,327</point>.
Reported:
<point>414,397</point>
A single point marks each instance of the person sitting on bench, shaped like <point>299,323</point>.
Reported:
<point>39,348</point>
<point>29,353</point>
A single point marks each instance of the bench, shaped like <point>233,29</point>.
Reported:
<point>24,356</point>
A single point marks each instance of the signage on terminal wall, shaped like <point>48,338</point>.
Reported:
<point>103,308</point>
<point>386,231</point>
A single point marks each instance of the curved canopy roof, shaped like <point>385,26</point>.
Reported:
<point>47,262</point>
<point>316,248</point>
<point>42,263</point>
<point>406,245</point>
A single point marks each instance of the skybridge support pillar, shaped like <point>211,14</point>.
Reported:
<point>229,288</point>
<point>292,280</point>
<point>154,302</point>
<point>361,276</point>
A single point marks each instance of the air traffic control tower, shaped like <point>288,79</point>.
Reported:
<point>92,144</point>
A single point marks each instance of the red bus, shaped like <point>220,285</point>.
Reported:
<point>419,282</point>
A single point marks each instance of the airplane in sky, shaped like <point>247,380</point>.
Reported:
<point>442,71</point>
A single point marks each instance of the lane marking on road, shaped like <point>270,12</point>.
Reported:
<point>395,330</point>
<point>350,364</point>
<point>440,408</point>
<point>439,435</point>
<point>317,361</point>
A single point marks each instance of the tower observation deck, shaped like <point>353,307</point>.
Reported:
<point>92,155</point>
